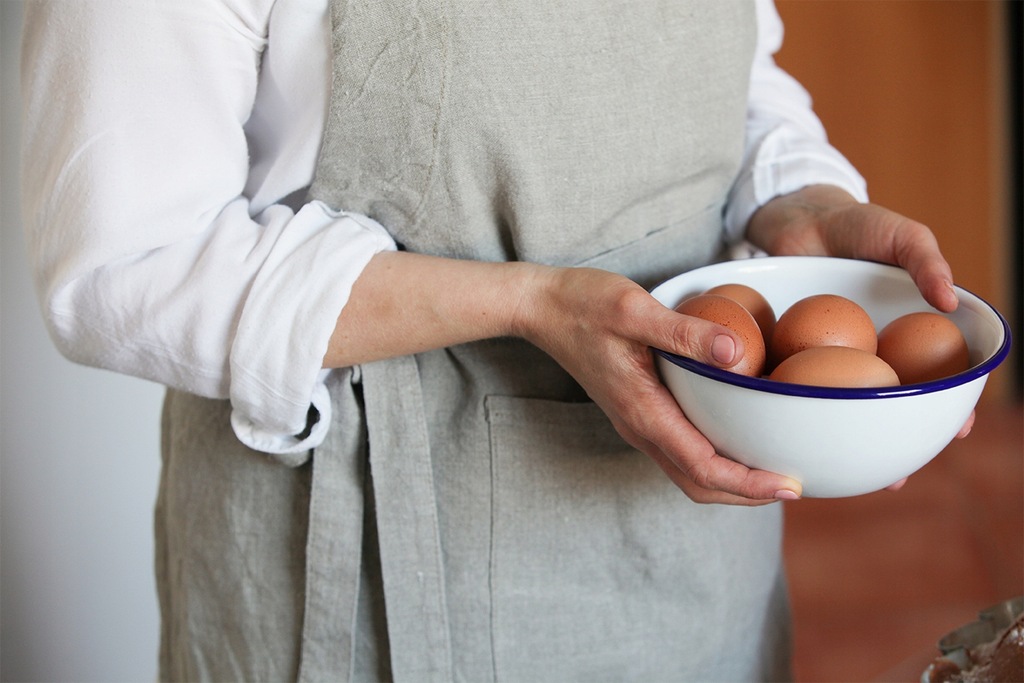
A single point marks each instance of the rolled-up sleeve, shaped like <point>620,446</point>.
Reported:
<point>149,258</point>
<point>786,145</point>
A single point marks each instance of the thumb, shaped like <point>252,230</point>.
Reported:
<point>696,338</point>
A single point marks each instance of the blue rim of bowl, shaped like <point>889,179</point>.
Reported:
<point>773,387</point>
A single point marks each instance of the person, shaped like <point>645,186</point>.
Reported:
<point>392,262</point>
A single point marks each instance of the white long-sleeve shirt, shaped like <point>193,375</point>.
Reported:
<point>167,149</point>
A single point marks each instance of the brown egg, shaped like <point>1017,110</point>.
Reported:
<point>835,366</point>
<point>719,309</point>
<point>822,320</point>
<point>755,303</point>
<point>923,346</point>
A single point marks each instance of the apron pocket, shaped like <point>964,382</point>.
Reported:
<point>602,570</point>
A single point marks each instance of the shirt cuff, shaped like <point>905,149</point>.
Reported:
<point>291,449</point>
<point>784,162</point>
<point>280,403</point>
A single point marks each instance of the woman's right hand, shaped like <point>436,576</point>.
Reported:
<point>600,327</point>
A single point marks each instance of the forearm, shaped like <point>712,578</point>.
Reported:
<point>406,303</point>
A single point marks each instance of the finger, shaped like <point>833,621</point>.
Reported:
<point>917,251</point>
<point>702,495</point>
<point>685,335</point>
<point>897,485</point>
<point>871,232</point>
<point>689,459</point>
<point>693,457</point>
<point>966,429</point>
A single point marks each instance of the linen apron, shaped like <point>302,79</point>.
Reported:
<point>472,515</point>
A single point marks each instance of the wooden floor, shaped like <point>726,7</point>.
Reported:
<point>876,580</point>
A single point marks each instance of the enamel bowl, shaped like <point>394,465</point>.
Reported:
<point>837,442</point>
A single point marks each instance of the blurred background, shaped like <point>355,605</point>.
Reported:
<point>922,95</point>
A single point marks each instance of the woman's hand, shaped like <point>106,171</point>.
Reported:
<point>822,220</point>
<point>600,327</point>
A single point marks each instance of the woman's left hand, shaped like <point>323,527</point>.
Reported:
<point>822,220</point>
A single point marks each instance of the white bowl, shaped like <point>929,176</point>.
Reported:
<point>836,442</point>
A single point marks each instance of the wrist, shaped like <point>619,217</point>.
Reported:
<point>531,290</point>
<point>823,197</point>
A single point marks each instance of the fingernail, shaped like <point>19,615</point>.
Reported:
<point>786,494</point>
<point>723,349</point>
<point>952,290</point>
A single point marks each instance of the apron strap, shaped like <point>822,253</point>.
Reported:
<point>334,541</point>
<point>407,522</point>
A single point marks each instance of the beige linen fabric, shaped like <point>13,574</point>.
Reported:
<point>473,516</point>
